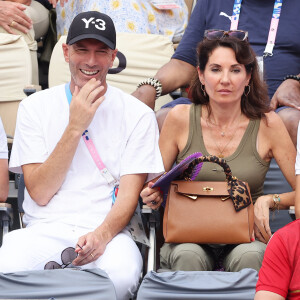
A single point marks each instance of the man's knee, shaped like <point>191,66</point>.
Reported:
<point>290,117</point>
<point>126,280</point>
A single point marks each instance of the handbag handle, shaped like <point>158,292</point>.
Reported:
<point>186,175</point>
<point>238,190</point>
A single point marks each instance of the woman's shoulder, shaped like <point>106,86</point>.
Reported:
<point>178,117</point>
<point>273,129</point>
<point>180,112</point>
<point>272,121</point>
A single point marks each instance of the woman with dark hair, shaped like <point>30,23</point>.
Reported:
<point>229,118</point>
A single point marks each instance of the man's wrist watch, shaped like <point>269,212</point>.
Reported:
<point>153,82</point>
<point>295,77</point>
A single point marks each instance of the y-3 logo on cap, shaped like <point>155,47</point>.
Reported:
<point>98,23</point>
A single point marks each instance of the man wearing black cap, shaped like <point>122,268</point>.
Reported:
<point>78,145</point>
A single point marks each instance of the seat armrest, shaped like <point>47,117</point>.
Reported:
<point>292,212</point>
<point>152,225</point>
<point>31,89</point>
<point>6,217</point>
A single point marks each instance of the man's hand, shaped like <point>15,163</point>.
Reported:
<point>84,105</point>
<point>287,94</point>
<point>12,16</point>
<point>89,248</point>
<point>54,2</point>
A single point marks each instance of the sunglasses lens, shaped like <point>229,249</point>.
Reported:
<point>214,34</point>
<point>68,255</point>
<point>52,265</point>
<point>241,35</point>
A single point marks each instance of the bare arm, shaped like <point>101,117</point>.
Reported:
<point>265,295</point>
<point>44,180</point>
<point>10,11</point>
<point>278,144</point>
<point>175,74</point>
<point>173,135</point>
<point>3,180</point>
<point>119,216</point>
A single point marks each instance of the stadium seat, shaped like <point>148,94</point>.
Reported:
<point>208,285</point>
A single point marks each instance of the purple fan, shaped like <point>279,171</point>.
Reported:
<point>164,181</point>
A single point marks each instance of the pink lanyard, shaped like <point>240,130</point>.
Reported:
<point>96,157</point>
<point>91,147</point>
<point>273,27</point>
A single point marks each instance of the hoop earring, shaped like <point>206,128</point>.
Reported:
<point>246,93</point>
<point>203,89</point>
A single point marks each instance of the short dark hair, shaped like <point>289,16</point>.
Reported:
<point>256,104</point>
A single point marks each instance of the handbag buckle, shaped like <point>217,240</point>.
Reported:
<point>208,189</point>
<point>194,197</point>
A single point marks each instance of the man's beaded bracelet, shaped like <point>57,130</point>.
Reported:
<point>153,82</point>
<point>295,77</point>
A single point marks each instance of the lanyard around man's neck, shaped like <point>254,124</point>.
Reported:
<point>91,147</point>
<point>273,26</point>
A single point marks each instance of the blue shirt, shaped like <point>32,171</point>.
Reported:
<point>255,18</point>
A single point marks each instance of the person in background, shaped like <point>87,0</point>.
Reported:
<point>3,165</point>
<point>229,118</point>
<point>279,276</point>
<point>28,18</point>
<point>133,16</point>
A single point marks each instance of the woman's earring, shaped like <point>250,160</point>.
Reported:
<point>203,89</point>
<point>247,90</point>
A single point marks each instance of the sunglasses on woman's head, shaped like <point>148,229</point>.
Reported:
<point>216,34</point>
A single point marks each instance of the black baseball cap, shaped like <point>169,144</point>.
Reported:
<point>92,25</point>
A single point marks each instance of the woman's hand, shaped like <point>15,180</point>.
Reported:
<point>152,196</point>
<point>262,228</point>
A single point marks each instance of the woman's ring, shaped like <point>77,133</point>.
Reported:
<point>12,24</point>
<point>153,202</point>
<point>92,255</point>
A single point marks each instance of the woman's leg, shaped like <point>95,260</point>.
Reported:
<point>243,256</point>
<point>186,257</point>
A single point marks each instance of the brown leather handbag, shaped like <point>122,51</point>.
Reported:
<point>208,212</point>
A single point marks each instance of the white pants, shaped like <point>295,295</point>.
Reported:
<point>32,247</point>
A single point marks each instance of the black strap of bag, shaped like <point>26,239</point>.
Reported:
<point>237,189</point>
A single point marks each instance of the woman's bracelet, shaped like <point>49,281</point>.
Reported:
<point>276,200</point>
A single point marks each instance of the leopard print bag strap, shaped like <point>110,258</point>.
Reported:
<point>237,189</point>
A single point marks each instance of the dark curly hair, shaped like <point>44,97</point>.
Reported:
<point>256,104</point>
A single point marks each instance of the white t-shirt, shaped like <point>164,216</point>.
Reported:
<point>3,142</point>
<point>125,134</point>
